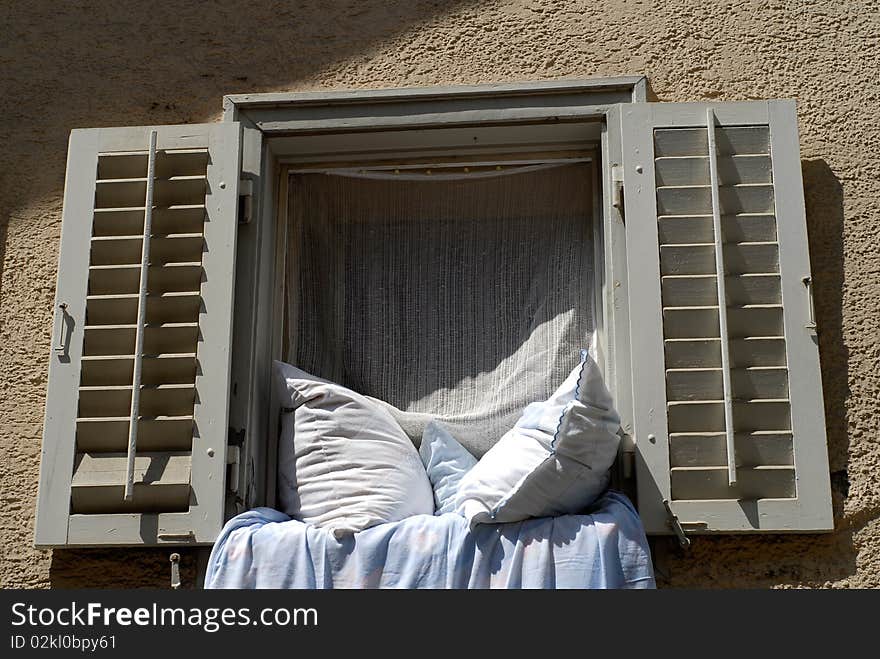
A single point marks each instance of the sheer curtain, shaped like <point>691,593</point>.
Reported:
<point>461,298</point>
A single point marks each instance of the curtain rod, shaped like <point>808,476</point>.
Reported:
<point>443,171</point>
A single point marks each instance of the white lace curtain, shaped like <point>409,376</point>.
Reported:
<point>462,298</point>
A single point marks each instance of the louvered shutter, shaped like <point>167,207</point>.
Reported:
<point>727,395</point>
<point>118,471</point>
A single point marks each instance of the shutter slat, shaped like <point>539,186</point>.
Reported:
<point>690,200</point>
<point>741,228</point>
<point>161,483</point>
<point>709,449</point>
<point>703,353</point>
<point>699,259</point>
<point>764,482</point>
<point>746,383</point>
<point>174,307</point>
<point>702,322</point>
<point>694,170</point>
<point>753,289</point>
<point>115,400</point>
<point>755,320</point>
<point>169,163</point>
<point>117,369</point>
<point>749,416</point>
<point>126,250</point>
<point>758,351</point>
<point>160,338</point>
<point>110,434</point>
<point>684,200</point>
<point>128,192</point>
<point>738,140</point>
<point>692,353</point>
<point>702,290</point>
<point>166,278</point>
<point>118,222</point>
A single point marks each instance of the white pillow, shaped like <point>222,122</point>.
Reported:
<point>446,462</point>
<point>554,461</point>
<point>344,464</point>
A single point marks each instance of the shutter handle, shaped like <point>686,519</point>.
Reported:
<point>175,570</point>
<point>811,324</point>
<point>61,345</point>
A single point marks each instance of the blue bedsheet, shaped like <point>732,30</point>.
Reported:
<point>607,548</point>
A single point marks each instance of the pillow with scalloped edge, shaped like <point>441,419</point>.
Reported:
<point>556,459</point>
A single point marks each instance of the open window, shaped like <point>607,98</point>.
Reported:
<point>325,229</point>
<point>453,290</point>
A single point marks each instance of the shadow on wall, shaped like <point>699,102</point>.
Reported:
<point>824,200</point>
<point>803,560</point>
<point>106,63</point>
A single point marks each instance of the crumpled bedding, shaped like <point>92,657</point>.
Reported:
<point>606,548</point>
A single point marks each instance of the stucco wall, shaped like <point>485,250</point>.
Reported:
<point>110,63</point>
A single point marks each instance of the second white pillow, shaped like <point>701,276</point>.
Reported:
<point>344,464</point>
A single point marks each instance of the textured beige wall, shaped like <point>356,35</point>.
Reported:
<point>112,63</point>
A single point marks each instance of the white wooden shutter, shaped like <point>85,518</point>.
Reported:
<point>728,409</point>
<point>166,342</point>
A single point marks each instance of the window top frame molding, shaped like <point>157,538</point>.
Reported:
<point>291,113</point>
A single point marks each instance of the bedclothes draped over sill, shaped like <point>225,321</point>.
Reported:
<point>606,548</point>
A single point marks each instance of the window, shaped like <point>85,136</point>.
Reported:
<point>722,412</point>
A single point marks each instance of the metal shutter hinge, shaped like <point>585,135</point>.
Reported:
<point>236,436</point>
<point>245,200</point>
<point>676,527</point>
<point>233,454</point>
<point>617,188</point>
<point>233,459</point>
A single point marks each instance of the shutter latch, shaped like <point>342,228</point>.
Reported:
<point>245,201</point>
<point>61,346</point>
<point>675,525</point>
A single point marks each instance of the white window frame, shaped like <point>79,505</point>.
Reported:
<point>279,128</point>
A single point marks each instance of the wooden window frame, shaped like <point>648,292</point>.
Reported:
<point>282,128</point>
